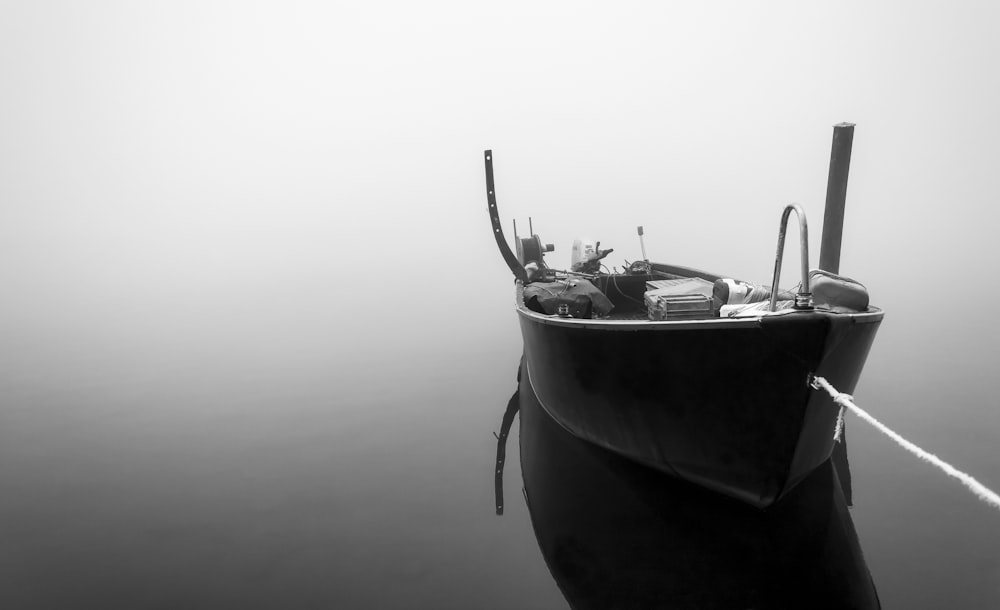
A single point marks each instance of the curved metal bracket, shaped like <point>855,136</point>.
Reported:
<point>513,406</point>
<point>803,300</point>
<point>491,201</point>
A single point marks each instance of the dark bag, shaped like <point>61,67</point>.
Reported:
<point>581,297</point>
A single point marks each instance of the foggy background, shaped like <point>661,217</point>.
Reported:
<point>189,163</point>
<point>287,196</point>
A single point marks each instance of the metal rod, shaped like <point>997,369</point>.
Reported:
<point>803,300</point>
<point>642,244</point>
<point>836,196</point>
<point>589,276</point>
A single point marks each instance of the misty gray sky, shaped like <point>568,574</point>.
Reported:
<point>187,152</point>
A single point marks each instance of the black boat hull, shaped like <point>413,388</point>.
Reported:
<point>617,535</point>
<point>725,404</point>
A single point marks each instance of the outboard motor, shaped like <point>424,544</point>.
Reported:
<point>586,256</point>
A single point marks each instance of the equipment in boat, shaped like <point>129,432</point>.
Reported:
<point>587,255</point>
<point>668,376</point>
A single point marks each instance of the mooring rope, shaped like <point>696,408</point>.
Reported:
<point>838,430</point>
<point>846,401</point>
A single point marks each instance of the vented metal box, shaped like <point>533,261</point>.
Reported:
<point>678,307</point>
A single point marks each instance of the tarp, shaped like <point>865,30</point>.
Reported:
<point>582,297</point>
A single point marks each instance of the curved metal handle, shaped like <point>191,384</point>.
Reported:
<point>803,300</point>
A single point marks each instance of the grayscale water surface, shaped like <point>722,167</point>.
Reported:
<point>256,339</point>
<point>260,460</point>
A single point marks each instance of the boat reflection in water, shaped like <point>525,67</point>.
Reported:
<point>616,534</point>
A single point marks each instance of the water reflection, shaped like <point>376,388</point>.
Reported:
<point>618,535</point>
<point>513,405</point>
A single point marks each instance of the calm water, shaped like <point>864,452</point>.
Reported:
<point>218,454</point>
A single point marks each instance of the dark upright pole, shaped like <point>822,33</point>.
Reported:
<point>836,195</point>
<point>829,258</point>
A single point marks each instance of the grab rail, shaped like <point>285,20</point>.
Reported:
<point>803,300</point>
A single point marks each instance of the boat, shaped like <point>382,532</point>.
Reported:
<point>694,385</point>
<point>615,534</point>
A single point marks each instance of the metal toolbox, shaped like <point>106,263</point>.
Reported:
<point>678,307</point>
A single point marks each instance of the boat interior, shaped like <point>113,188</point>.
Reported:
<point>661,292</point>
<point>627,291</point>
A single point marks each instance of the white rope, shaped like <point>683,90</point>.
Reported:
<point>845,400</point>
<point>838,430</point>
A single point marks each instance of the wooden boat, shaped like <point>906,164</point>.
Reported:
<point>617,535</point>
<point>724,402</point>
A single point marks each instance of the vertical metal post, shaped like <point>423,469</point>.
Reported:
<point>836,196</point>
<point>829,257</point>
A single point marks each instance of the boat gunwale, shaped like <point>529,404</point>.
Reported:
<point>873,315</point>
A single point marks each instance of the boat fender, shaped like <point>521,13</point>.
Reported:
<point>837,293</point>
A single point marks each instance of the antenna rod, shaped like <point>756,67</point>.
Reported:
<point>642,245</point>
<point>531,230</point>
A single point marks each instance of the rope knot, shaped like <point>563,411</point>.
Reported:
<point>846,401</point>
